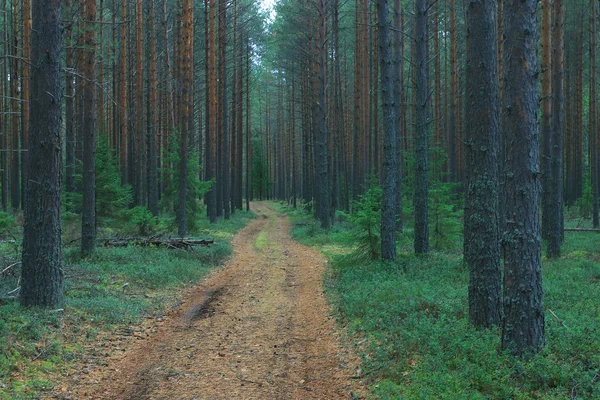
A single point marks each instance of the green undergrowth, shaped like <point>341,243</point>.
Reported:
<point>408,320</point>
<point>109,292</point>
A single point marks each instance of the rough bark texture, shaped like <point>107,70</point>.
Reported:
<point>186,109</point>
<point>421,137</point>
<point>546,127</point>
<point>388,203</point>
<point>69,108</point>
<point>88,212</point>
<point>211,153</point>
<point>321,118</point>
<point>482,245</point>
<point>153,126</point>
<point>523,324</point>
<point>555,209</point>
<point>42,273</point>
<point>123,98</point>
<point>398,91</point>
<point>593,134</point>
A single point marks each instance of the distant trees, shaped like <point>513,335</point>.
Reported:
<point>42,270</point>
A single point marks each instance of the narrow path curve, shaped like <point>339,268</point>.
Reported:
<point>257,329</point>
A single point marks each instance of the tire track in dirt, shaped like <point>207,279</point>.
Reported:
<point>257,329</point>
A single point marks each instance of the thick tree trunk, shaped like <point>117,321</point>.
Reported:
<point>388,203</point>
<point>523,324</point>
<point>88,212</point>
<point>482,244</point>
<point>421,196</point>
<point>69,107</point>
<point>42,273</point>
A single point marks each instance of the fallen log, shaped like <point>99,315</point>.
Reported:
<point>184,244</point>
<point>582,230</point>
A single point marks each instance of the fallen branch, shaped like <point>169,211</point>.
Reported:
<point>185,244</point>
<point>9,267</point>
<point>558,319</point>
<point>582,230</point>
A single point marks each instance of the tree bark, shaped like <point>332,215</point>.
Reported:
<point>153,128</point>
<point>421,196</point>
<point>88,212</point>
<point>481,242</point>
<point>398,91</point>
<point>593,130</point>
<point>42,272</point>
<point>556,225</point>
<point>523,324</point>
<point>388,202</point>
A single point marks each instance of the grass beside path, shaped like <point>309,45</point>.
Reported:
<point>409,321</point>
<point>106,295</point>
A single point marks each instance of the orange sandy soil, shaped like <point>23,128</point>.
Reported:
<point>260,328</point>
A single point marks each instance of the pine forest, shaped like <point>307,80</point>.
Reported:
<point>287,199</point>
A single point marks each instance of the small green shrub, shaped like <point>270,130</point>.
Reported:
<point>140,221</point>
<point>196,189</point>
<point>365,218</point>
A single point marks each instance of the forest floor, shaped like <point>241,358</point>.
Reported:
<point>260,328</point>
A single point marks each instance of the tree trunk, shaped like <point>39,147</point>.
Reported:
<point>186,96</point>
<point>556,226</point>
<point>523,324</point>
<point>481,243</point>
<point>421,196</point>
<point>321,118</point>
<point>153,128</point>
<point>211,153</point>
<point>398,91</point>
<point>388,203</point>
<point>593,129</point>
<point>42,272</point>
<point>123,98</point>
<point>88,212</point>
<point>546,127</point>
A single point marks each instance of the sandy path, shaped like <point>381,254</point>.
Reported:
<point>257,329</point>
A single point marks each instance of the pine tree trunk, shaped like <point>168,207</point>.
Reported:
<point>593,130</point>
<point>421,195</point>
<point>88,212</point>
<point>42,269</point>
<point>398,92</point>
<point>555,209</point>
<point>523,324</point>
<point>481,243</point>
<point>546,127</point>
<point>123,98</point>
<point>211,154</point>
<point>388,203</point>
<point>25,87</point>
<point>153,129</point>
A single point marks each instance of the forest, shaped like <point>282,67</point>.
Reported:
<point>386,199</point>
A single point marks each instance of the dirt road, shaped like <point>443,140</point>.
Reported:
<point>257,329</point>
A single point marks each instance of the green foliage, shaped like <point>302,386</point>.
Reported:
<point>140,221</point>
<point>111,197</point>
<point>583,207</point>
<point>196,189</point>
<point>7,223</point>
<point>445,215</point>
<point>365,218</point>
